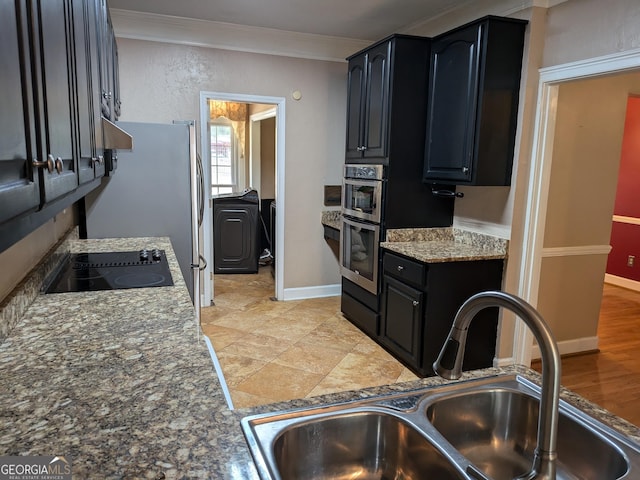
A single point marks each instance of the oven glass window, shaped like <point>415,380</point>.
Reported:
<point>361,197</point>
<point>360,251</point>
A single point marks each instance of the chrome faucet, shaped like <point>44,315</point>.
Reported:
<point>449,365</point>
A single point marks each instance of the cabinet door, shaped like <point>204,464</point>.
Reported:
<point>355,104</point>
<point>88,125</point>
<point>451,117</point>
<point>116,77</point>
<point>104,48</point>
<point>19,191</point>
<point>376,108</point>
<point>53,55</point>
<point>402,320</point>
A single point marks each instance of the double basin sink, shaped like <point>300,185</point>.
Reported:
<point>474,430</point>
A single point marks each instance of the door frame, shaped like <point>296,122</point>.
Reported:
<point>207,227</point>
<point>540,173</point>
<point>254,139</point>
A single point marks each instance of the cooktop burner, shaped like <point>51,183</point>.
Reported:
<point>86,272</point>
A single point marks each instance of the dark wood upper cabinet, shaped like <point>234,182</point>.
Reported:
<point>376,103</point>
<point>355,105</point>
<point>19,191</point>
<point>55,59</point>
<point>367,104</point>
<point>52,62</point>
<point>108,70</point>
<point>386,101</point>
<point>473,102</point>
<point>90,140</point>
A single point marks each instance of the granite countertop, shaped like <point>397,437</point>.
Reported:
<point>331,219</point>
<point>436,245</point>
<point>122,382</point>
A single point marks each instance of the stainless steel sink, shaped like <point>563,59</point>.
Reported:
<point>477,430</point>
<point>495,428</point>
<point>357,444</point>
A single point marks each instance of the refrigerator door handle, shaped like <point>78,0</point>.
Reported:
<point>200,175</point>
<point>200,265</point>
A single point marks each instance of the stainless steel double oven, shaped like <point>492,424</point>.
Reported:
<point>362,194</point>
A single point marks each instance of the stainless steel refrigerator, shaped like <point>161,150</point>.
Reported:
<point>156,191</point>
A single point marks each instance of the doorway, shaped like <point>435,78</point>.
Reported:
<point>241,174</point>
<point>538,197</point>
<point>262,169</point>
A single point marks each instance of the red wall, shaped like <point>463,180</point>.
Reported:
<point>625,240</point>
<point>625,237</point>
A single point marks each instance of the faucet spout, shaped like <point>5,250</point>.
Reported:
<point>449,365</point>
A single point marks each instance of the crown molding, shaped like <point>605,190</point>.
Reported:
<point>227,36</point>
<point>471,10</point>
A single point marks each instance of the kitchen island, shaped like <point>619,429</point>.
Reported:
<point>122,382</point>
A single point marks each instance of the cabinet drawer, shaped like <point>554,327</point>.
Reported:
<point>408,271</point>
<point>362,317</point>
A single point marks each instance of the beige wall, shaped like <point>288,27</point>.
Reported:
<point>586,158</point>
<point>268,158</point>
<point>569,296</point>
<point>584,173</point>
<point>20,258</point>
<point>581,29</point>
<point>162,82</point>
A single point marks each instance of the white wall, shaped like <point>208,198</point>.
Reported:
<point>161,82</point>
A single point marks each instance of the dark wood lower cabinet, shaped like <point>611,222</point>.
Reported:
<point>402,319</point>
<point>419,302</point>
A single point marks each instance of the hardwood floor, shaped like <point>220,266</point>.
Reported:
<point>611,377</point>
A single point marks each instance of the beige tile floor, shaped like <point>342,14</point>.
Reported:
<point>272,351</point>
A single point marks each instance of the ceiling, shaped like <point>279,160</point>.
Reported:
<point>356,19</point>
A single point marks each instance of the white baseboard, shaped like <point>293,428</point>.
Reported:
<point>303,293</point>
<point>577,345</point>
<point>622,282</point>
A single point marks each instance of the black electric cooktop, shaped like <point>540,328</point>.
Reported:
<point>87,272</point>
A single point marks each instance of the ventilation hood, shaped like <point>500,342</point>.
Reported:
<point>115,137</point>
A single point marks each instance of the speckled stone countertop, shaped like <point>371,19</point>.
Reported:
<point>435,245</point>
<point>121,382</point>
<point>331,218</point>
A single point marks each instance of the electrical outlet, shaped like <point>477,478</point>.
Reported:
<point>630,260</point>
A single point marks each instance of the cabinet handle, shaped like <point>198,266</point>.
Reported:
<point>59,165</point>
<point>99,159</point>
<point>465,169</point>
<point>400,268</point>
<point>106,95</point>
<point>359,149</point>
<point>415,303</point>
<point>49,163</point>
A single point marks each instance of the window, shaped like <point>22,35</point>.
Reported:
<point>223,156</point>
